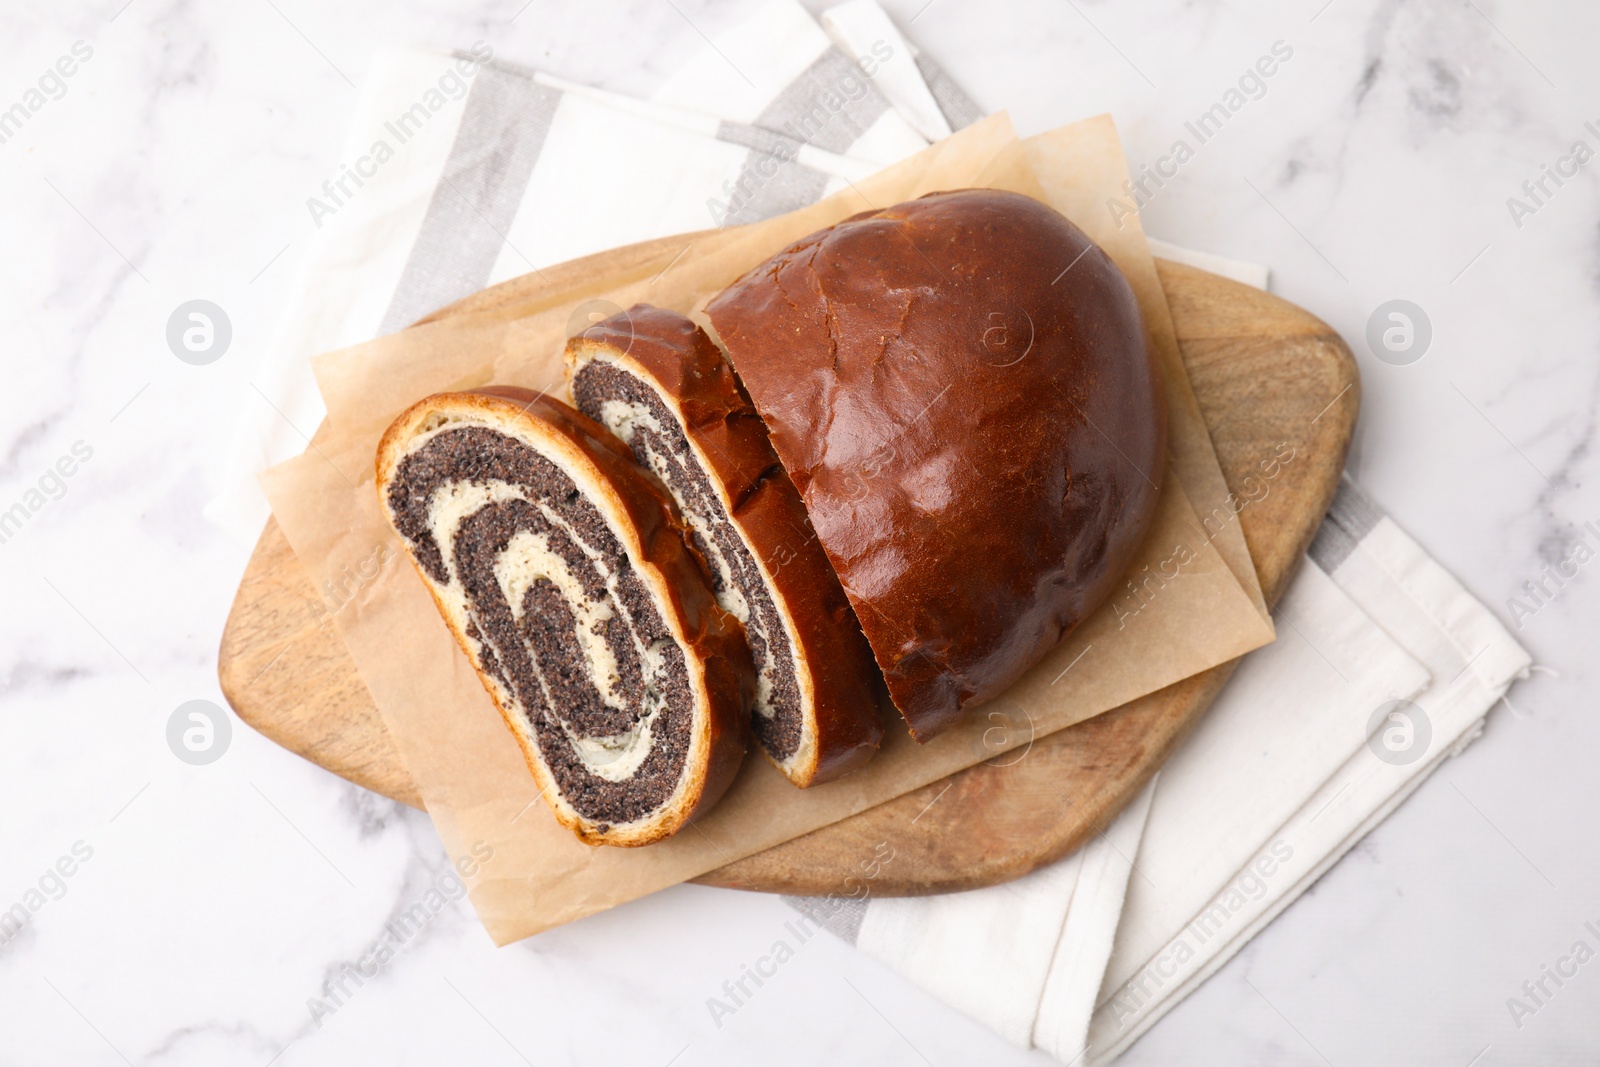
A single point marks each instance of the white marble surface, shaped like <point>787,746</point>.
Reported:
<point>218,899</point>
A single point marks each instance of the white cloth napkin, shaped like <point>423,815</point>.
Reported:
<point>1280,778</point>
<point>1446,653</point>
<point>488,174</point>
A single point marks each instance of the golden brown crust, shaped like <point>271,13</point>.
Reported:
<point>963,391</point>
<point>668,350</point>
<point>718,660</point>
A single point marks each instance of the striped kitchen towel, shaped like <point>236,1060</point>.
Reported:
<point>461,171</point>
<point>1292,768</point>
<point>1388,666</point>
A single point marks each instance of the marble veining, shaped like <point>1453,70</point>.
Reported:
<point>220,900</point>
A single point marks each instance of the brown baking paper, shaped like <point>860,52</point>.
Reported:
<point>466,765</point>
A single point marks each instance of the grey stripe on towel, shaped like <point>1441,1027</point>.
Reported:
<point>502,131</point>
<point>771,181</point>
<point>840,916</point>
<point>1351,516</point>
<point>829,105</point>
<point>959,109</point>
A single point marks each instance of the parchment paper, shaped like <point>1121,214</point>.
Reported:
<point>465,763</point>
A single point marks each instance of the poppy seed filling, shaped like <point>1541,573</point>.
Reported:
<point>634,411</point>
<point>559,619</point>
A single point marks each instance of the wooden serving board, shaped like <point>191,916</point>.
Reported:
<point>1267,375</point>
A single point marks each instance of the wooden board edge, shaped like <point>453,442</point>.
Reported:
<point>238,667</point>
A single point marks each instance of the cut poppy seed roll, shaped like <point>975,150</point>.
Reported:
<point>963,390</point>
<point>655,380</point>
<point>563,573</point>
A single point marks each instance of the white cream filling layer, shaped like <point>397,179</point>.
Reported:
<point>528,558</point>
<point>624,419</point>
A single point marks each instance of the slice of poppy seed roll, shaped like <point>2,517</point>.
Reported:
<point>658,382</point>
<point>564,575</point>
